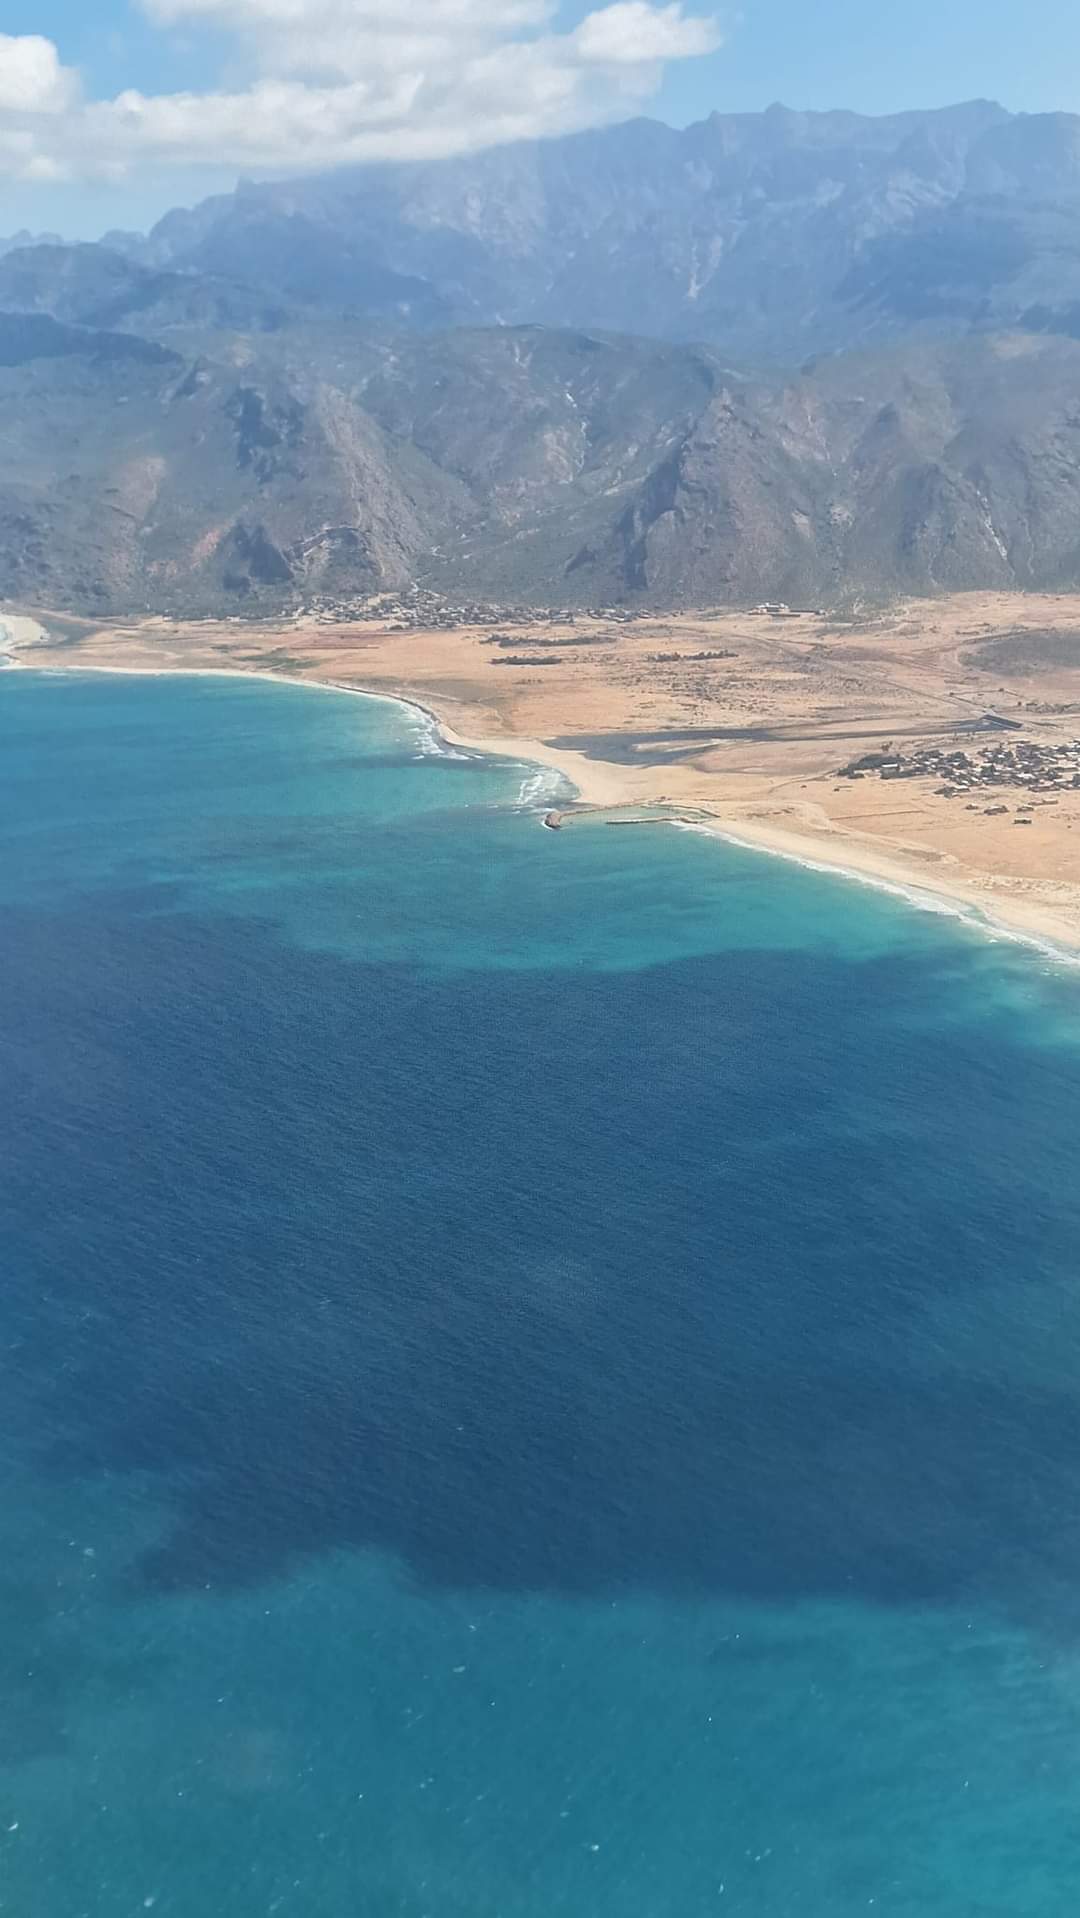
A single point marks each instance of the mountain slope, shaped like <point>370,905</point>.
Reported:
<point>93,286</point>
<point>774,236</point>
<point>148,482</point>
<point>526,465</point>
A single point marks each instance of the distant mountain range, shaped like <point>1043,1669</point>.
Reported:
<point>857,372</point>
<point>773,235</point>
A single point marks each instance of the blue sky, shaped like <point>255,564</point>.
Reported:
<point>85,174</point>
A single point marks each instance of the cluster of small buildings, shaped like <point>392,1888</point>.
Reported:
<point>416,608</point>
<point>1014,765</point>
<point>689,659</point>
<point>779,609</point>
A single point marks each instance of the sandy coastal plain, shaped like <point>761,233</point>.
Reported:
<point>741,721</point>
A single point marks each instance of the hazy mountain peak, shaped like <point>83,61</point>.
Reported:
<point>776,235</point>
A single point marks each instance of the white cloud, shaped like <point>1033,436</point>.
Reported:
<point>335,82</point>
<point>32,80</point>
<point>633,33</point>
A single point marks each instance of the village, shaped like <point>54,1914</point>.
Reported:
<point>416,608</point>
<point>1043,771</point>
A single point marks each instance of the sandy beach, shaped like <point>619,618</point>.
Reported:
<point>739,722</point>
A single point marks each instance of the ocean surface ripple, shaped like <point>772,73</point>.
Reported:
<point>539,1368</point>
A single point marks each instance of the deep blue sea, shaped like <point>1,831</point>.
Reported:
<point>540,1371</point>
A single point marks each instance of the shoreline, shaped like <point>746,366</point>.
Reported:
<point>600,788</point>
<point>1058,942</point>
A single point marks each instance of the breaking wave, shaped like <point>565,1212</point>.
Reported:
<point>542,787</point>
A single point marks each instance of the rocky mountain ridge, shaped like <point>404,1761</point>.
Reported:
<point>526,465</point>
<point>773,236</point>
<point>272,401</point>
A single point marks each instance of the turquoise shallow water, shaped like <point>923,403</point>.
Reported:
<point>539,1370</point>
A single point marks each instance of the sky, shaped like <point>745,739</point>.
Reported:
<point>111,111</point>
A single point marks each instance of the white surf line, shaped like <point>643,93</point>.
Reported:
<point>434,740</point>
<point>922,898</point>
<point>542,789</point>
<point>16,631</point>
